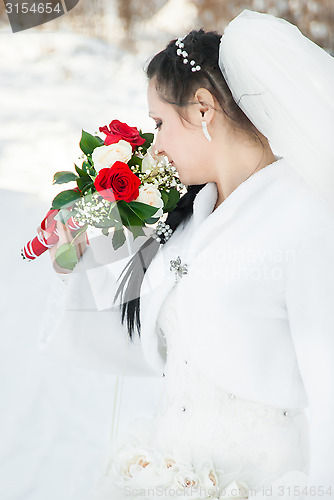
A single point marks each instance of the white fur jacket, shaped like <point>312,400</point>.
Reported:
<point>258,301</point>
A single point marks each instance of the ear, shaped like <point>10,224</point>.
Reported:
<point>204,105</point>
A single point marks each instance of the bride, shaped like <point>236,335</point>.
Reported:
<point>234,309</point>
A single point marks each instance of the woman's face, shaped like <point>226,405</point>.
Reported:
<point>183,143</point>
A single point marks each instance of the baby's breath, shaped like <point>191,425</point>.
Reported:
<point>93,210</point>
<point>163,175</point>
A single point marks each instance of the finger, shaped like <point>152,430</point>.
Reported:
<point>80,242</point>
<point>80,249</point>
<point>81,238</point>
<point>64,233</point>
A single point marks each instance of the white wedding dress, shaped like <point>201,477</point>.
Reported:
<point>204,442</point>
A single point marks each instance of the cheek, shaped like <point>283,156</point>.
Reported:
<point>192,168</point>
<point>194,153</point>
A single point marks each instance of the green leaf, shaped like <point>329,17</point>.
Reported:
<point>135,161</point>
<point>88,195</point>
<point>149,137</point>
<point>88,167</point>
<point>137,231</point>
<point>113,206</point>
<point>119,237</point>
<point>66,256</point>
<point>101,141</point>
<point>164,196</point>
<point>65,198</point>
<point>84,183</point>
<point>89,142</point>
<point>152,220</point>
<point>63,215</point>
<point>128,216</point>
<point>173,198</point>
<point>142,210</point>
<point>80,171</point>
<point>63,177</point>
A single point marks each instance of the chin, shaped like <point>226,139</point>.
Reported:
<point>189,177</point>
<point>191,181</point>
<point>186,179</point>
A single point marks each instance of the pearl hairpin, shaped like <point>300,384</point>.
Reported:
<point>183,53</point>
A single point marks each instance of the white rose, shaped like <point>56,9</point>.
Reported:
<point>169,463</point>
<point>150,194</point>
<point>105,156</point>
<point>148,163</point>
<point>128,462</point>
<point>208,477</point>
<point>139,468</point>
<point>188,482</point>
<point>151,161</point>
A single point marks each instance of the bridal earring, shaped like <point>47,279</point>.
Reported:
<point>205,131</point>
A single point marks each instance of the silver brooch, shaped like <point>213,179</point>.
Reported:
<point>175,265</point>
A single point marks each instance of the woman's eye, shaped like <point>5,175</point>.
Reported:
<point>158,125</point>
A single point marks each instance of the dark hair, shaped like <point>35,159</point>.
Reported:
<point>177,84</point>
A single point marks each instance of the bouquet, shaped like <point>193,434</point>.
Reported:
<point>121,184</point>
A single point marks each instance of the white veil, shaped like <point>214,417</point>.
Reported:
<point>284,83</point>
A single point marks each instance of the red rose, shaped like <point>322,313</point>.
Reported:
<point>121,131</point>
<point>117,183</point>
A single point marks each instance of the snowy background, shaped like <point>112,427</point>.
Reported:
<point>55,418</point>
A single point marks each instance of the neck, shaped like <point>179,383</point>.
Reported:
<point>239,168</point>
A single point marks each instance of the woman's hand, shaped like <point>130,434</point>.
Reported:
<point>65,236</point>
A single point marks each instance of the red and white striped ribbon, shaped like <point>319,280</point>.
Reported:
<point>38,245</point>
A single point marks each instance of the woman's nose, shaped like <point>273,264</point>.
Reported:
<point>157,150</point>
<point>157,147</point>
